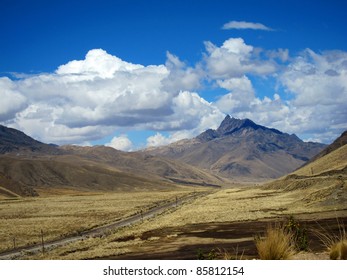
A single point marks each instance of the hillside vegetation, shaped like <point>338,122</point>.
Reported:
<point>322,182</point>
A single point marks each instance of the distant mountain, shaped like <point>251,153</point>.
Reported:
<point>243,150</point>
<point>145,165</point>
<point>13,140</point>
<point>26,176</point>
<point>27,165</point>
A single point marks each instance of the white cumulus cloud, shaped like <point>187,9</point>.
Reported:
<point>316,86</point>
<point>181,77</point>
<point>89,99</point>
<point>121,142</point>
<point>83,100</point>
<point>97,63</point>
<point>12,101</point>
<point>318,82</point>
<point>239,98</point>
<point>158,140</point>
<point>234,59</point>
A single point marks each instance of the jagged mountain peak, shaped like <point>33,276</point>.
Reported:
<point>240,148</point>
<point>231,124</point>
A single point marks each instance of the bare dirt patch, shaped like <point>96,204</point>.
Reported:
<point>236,238</point>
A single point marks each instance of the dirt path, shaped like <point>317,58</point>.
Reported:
<point>99,231</point>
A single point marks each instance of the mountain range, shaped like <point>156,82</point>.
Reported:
<point>238,150</point>
<point>242,150</point>
<point>27,165</point>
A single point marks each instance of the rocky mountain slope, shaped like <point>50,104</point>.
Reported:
<point>242,150</point>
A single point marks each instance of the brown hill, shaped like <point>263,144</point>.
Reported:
<point>242,150</point>
<point>68,172</point>
<point>15,141</point>
<point>339,142</point>
<point>144,165</point>
<point>27,165</point>
<point>11,188</point>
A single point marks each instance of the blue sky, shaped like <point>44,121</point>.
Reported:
<point>132,74</point>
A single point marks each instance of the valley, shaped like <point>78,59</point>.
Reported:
<point>100,203</point>
<point>225,221</point>
<point>173,130</point>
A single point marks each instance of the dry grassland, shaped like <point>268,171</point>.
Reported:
<point>333,161</point>
<point>227,205</point>
<point>60,213</point>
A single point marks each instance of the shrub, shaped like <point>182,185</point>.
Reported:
<point>299,234</point>
<point>277,244</point>
<point>209,256</point>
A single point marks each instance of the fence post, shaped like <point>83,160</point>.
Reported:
<point>42,243</point>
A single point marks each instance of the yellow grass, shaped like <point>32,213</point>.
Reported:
<point>277,244</point>
<point>335,160</point>
<point>338,250</point>
<point>70,212</point>
<point>237,204</point>
<point>336,244</point>
<point>226,205</point>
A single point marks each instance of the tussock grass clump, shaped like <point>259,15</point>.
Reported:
<point>335,244</point>
<point>277,244</point>
<point>338,251</point>
<point>226,255</point>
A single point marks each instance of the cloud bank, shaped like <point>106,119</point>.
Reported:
<point>90,99</point>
